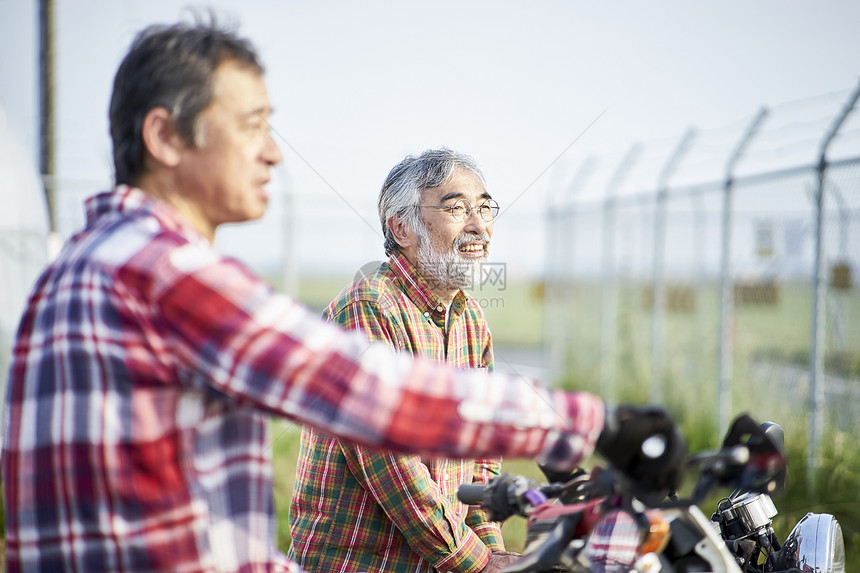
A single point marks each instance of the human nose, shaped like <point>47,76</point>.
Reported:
<point>272,153</point>
<point>474,220</point>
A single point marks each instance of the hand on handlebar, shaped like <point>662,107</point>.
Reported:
<point>646,446</point>
<point>499,561</point>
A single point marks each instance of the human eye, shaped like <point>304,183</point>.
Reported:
<point>252,126</point>
<point>490,209</point>
<point>256,123</point>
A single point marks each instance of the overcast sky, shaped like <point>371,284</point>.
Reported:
<point>522,86</point>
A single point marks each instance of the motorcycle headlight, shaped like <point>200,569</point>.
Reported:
<point>815,544</point>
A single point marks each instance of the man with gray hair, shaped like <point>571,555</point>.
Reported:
<point>359,509</point>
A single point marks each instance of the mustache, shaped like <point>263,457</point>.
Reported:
<point>471,237</point>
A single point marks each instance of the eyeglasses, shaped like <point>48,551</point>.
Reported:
<point>461,209</point>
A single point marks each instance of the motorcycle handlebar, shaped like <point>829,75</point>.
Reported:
<point>748,460</point>
<point>471,493</point>
<point>507,494</point>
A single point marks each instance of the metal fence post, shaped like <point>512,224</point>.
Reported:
<point>659,290</point>
<point>554,342</point>
<point>816,352</point>
<point>609,294</point>
<point>727,307</point>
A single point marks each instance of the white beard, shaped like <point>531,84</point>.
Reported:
<point>448,270</point>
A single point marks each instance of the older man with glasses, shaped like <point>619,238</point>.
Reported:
<point>358,509</point>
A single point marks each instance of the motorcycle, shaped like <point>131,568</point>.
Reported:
<point>603,520</point>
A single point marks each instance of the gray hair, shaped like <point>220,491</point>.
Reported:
<point>401,193</point>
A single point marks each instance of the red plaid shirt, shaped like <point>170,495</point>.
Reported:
<point>613,545</point>
<point>142,373</point>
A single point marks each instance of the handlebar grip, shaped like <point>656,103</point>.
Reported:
<point>471,493</point>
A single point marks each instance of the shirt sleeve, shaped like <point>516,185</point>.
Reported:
<point>477,519</point>
<point>404,489</point>
<point>228,332</point>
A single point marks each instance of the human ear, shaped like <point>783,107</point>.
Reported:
<point>401,231</point>
<point>162,141</point>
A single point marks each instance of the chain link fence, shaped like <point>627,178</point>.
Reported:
<point>717,273</point>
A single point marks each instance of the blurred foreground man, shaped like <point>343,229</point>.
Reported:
<point>360,509</point>
<point>146,364</point>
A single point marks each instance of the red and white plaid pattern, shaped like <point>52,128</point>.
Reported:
<point>613,545</point>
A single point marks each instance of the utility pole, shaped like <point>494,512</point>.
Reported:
<point>47,138</point>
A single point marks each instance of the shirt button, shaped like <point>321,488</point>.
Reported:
<point>426,315</point>
<point>440,308</point>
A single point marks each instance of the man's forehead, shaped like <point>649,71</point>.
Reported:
<point>242,88</point>
<point>462,184</point>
